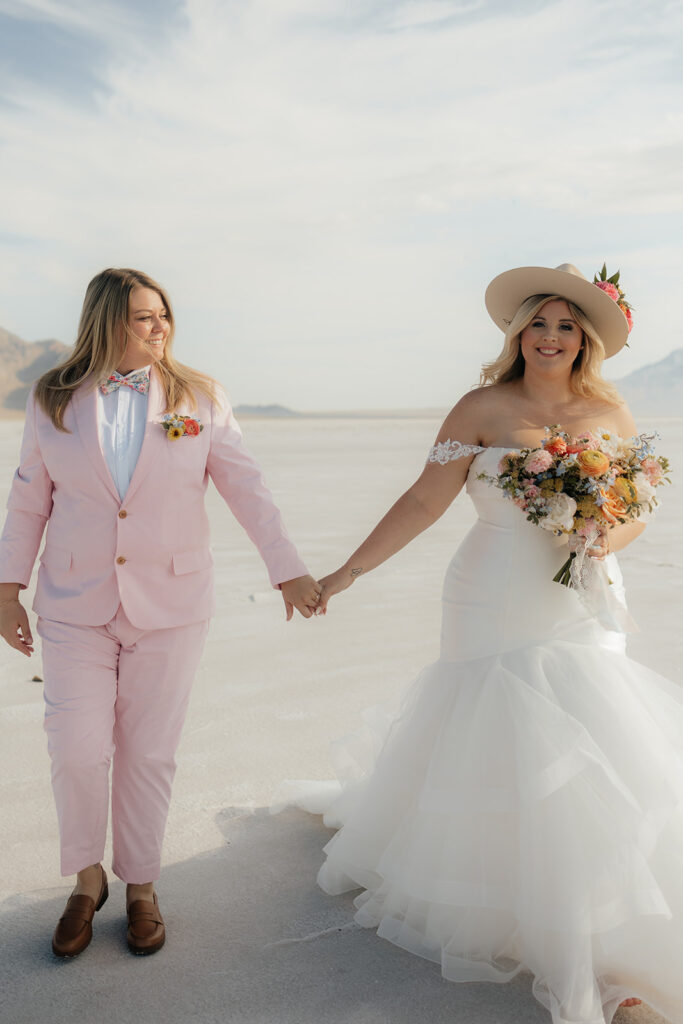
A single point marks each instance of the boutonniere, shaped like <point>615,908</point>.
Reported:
<point>180,426</point>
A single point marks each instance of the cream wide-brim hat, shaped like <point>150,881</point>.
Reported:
<point>507,292</point>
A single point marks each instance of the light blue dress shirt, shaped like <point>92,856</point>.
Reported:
<point>121,419</point>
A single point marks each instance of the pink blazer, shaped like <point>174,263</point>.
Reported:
<point>149,552</point>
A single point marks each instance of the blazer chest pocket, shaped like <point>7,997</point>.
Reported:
<point>56,559</point>
<point>192,561</point>
<point>188,451</point>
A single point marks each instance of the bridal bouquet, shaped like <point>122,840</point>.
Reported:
<point>577,485</point>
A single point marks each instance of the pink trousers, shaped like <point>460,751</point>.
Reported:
<point>118,691</point>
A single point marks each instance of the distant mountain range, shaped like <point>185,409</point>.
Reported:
<point>653,390</point>
<point>21,363</point>
<point>269,411</point>
<point>656,389</point>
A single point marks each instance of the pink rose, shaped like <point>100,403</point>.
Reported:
<point>538,461</point>
<point>581,443</point>
<point>532,491</point>
<point>652,470</point>
<point>520,503</point>
<point>611,289</point>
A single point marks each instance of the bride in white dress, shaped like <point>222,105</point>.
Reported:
<point>526,809</point>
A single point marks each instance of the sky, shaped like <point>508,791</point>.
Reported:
<point>325,187</point>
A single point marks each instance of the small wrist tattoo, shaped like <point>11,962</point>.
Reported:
<point>356,572</point>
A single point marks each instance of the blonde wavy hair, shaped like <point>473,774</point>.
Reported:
<point>586,376</point>
<point>103,333</point>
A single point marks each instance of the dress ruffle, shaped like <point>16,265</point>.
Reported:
<point>524,812</point>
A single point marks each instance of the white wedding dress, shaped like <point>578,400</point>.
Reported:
<point>525,808</point>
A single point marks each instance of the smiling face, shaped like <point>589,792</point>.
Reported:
<point>552,340</point>
<point>148,329</point>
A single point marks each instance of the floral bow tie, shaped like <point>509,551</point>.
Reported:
<point>138,381</point>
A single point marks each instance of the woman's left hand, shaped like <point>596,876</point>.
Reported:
<point>302,593</point>
<point>600,546</point>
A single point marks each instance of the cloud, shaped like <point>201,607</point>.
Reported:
<point>327,186</point>
<point>98,20</point>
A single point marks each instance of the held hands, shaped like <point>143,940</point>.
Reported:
<point>302,593</point>
<point>14,627</point>
<point>310,597</point>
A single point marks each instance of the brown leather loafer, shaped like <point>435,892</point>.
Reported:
<point>74,930</point>
<point>146,931</point>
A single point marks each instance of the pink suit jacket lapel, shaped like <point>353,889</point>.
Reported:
<point>84,404</point>
<point>156,406</point>
<point>85,411</point>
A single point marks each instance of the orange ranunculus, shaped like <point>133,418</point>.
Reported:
<point>625,489</point>
<point>191,427</point>
<point>613,509</point>
<point>592,462</point>
<point>556,446</point>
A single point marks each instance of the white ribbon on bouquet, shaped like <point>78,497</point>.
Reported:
<point>590,578</point>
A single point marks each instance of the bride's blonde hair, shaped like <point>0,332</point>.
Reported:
<point>103,332</point>
<point>586,376</point>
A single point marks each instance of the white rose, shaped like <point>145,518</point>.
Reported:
<point>561,509</point>
<point>644,488</point>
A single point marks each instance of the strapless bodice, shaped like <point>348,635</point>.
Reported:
<point>499,592</point>
<point>491,504</point>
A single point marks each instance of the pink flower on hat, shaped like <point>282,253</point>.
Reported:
<point>610,288</point>
<point>627,313</point>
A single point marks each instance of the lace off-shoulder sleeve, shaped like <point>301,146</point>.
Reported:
<point>447,451</point>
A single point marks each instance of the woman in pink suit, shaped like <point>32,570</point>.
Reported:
<point>119,444</point>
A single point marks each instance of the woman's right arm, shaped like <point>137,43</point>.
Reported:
<point>29,506</point>
<point>419,507</point>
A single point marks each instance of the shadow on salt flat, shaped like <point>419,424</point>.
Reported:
<point>251,940</point>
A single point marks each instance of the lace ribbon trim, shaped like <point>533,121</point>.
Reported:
<point>448,451</point>
<point>590,580</point>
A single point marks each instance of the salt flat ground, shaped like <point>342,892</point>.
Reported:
<point>251,938</point>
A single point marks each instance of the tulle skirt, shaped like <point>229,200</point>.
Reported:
<point>523,811</point>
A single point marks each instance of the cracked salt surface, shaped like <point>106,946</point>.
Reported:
<point>351,926</point>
